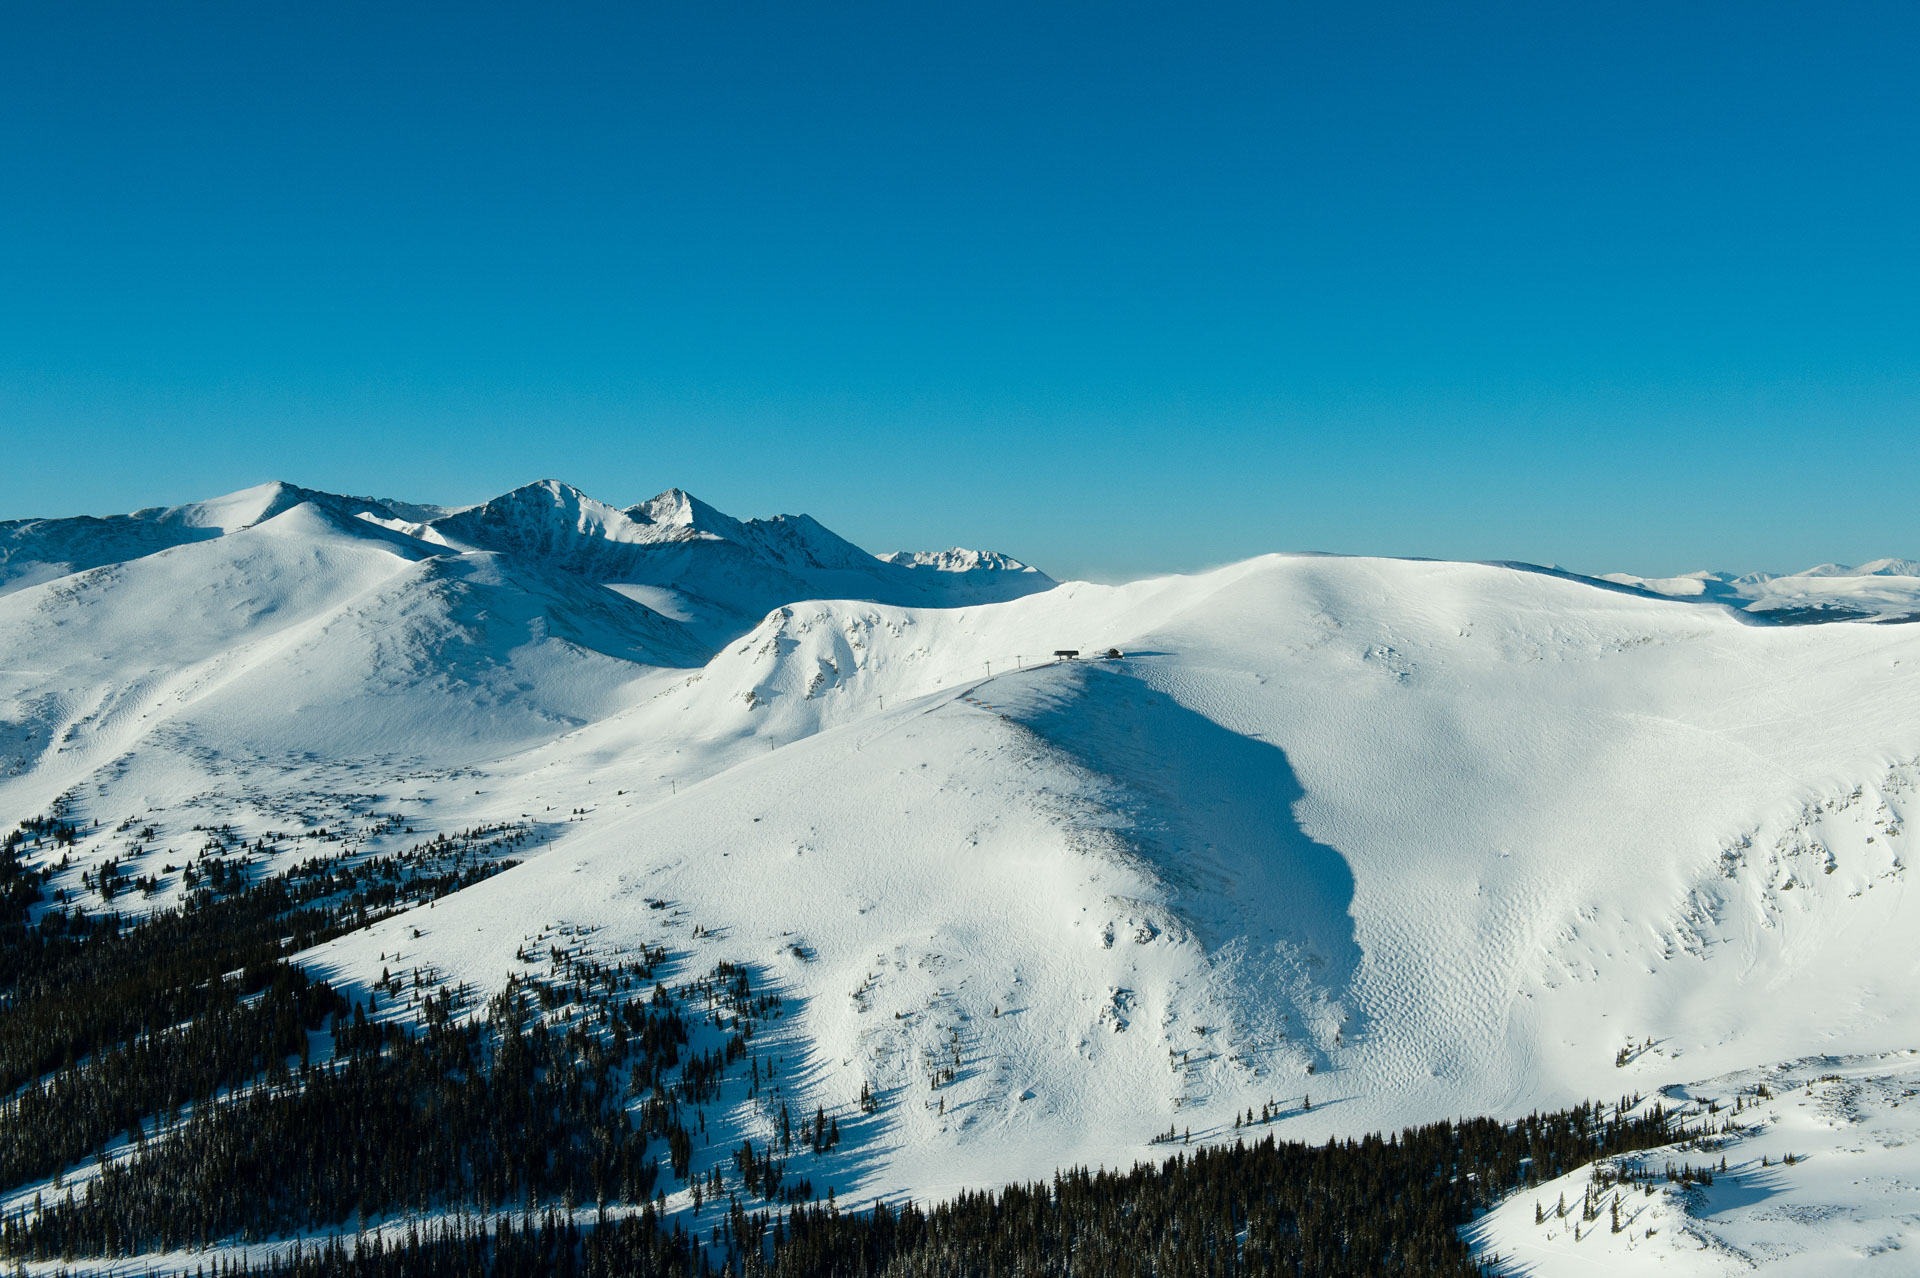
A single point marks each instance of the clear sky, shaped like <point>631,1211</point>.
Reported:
<point>1116,288</point>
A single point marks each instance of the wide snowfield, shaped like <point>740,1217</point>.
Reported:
<point>1403,839</point>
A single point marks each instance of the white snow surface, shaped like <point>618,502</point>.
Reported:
<point>1415,838</point>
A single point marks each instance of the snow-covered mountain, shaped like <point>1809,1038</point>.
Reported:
<point>1414,838</point>
<point>37,550</point>
<point>1880,590</point>
<point>715,574</point>
<point>482,629</point>
<point>723,573</point>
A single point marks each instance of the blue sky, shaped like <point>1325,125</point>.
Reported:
<point>1116,288</point>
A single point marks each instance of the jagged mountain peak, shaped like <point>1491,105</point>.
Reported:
<point>679,510</point>
<point>546,518</point>
<point>788,540</point>
<point>543,497</point>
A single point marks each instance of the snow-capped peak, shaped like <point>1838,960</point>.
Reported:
<point>247,507</point>
<point>548,503</point>
<point>39,550</point>
<point>1872,568</point>
<point>679,511</point>
<point>958,559</point>
<point>547,519</point>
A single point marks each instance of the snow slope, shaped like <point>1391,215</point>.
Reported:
<point>1406,838</point>
<point>38,550</point>
<point>1818,1181</point>
<point>304,635</point>
<point>1450,835</point>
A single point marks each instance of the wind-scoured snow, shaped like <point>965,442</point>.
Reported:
<point>1408,839</point>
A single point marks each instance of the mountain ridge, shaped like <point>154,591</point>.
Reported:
<point>661,544</point>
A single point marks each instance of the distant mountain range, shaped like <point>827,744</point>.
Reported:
<point>1882,590</point>
<point>691,566</point>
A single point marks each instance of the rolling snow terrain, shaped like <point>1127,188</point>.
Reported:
<point>1370,842</point>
